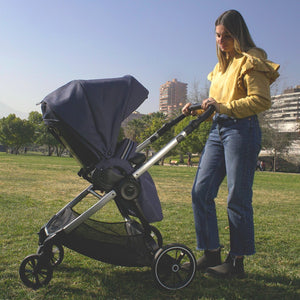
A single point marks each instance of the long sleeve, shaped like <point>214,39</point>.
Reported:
<point>258,97</point>
<point>244,88</point>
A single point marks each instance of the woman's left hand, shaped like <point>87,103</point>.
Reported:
<point>210,101</point>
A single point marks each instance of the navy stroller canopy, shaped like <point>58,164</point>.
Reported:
<point>95,109</point>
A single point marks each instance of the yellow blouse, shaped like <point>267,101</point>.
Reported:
<point>244,89</point>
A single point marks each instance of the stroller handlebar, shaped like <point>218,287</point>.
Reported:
<point>201,118</point>
<point>160,132</point>
<point>195,106</point>
<point>170,124</point>
<point>206,114</point>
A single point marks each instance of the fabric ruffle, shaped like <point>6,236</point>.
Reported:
<point>261,65</point>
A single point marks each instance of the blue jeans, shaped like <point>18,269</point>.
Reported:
<point>231,149</point>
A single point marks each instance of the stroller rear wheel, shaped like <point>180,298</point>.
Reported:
<point>33,273</point>
<point>167,266</point>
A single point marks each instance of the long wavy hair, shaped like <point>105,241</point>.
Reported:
<point>236,26</point>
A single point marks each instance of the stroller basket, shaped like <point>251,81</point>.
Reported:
<point>121,243</point>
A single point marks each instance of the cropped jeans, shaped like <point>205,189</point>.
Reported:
<point>231,149</point>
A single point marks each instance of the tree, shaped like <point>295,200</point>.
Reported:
<point>134,128</point>
<point>139,130</point>
<point>15,133</point>
<point>197,94</point>
<point>274,140</point>
<point>121,134</point>
<point>36,119</point>
<point>154,122</point>
<point>194,142</point>
<point>42,136</point>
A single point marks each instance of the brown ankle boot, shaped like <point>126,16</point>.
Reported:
<point>232,266</point>
<point>209,259</point>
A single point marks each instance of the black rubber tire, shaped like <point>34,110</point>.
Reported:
<point>167,267</point>
<point>33,274</point>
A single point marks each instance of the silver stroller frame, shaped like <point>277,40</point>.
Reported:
<point>167,261</point>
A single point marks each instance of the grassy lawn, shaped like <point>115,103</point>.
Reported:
<point>33,188</point>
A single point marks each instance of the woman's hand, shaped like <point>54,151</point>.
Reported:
<point>210,101</point>
<point>186,109</point>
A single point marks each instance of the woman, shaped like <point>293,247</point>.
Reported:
<point>240,89</point>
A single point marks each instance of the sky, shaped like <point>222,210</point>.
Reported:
<point>46,44</point>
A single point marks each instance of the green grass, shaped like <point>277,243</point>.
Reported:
<point>33,188</point>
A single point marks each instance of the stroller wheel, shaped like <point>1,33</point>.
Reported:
<point>167,266</point>
<point>57,255</point>
<point>33,273</point>
<point>155,234</point>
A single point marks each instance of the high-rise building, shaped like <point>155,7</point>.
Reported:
<point>173,96</point>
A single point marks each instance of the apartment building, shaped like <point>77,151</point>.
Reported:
<point>285,111</point>
<point>284,115</point>
<point>172,97</point>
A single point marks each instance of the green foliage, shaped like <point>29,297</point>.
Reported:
<point>42,136</point>
<point>195,142</point>
<point>152,124</point>
<point>121,134</point>
<point>140,129</point>
<point>15,133</point>
<point>135,128</point>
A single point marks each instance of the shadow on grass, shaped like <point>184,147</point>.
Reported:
<point>138,283</point>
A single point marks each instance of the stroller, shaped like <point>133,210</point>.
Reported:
<point>86,116</point>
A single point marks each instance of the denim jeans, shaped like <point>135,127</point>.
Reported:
<point>231,149</point>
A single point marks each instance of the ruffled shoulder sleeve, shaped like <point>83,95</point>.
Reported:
<point>269,68</point>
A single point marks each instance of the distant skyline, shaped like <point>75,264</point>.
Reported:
<point>45,44</point>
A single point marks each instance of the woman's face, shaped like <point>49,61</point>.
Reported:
<point>224,40</point>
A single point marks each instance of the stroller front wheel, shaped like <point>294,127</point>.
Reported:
<point>33,273</point>
<point>57,255</point>
<point>167,266</point>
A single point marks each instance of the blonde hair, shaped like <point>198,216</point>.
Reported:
<point>236,26</point>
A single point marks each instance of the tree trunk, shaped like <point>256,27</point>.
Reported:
<point>274,161</point>
<point>181,161</point>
